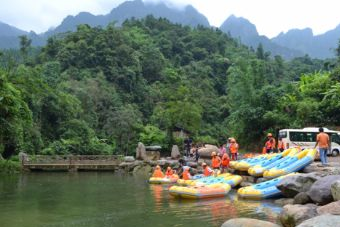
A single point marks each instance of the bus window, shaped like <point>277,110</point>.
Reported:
<point>335,138</point>
<point>310,137</point>
<point>297,136</point>
<point>283,134</point>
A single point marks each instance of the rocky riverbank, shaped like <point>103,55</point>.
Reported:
<point>312,199</point>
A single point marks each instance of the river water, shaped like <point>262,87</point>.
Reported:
<point>97,199</point>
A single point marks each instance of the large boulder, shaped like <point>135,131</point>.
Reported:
<point>335,190</point>
<point>290,186</point>
<point>141,152</point>
<point>129,159</point>
<point>142,170</point>
<point>326,220</point>
<point>284,201</point>
<point>331,208</point>
<point>175,154</point>
<point>333,168</point>
<point>153,155</point>
<point>205,152</point>
<point>292,215</point>
<point>302,198</point>
<point>247,222</point>
<point>320,192</point>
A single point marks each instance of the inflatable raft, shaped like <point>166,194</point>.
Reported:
<point>245,164</point>
<point>293,164</point>
<point>164,180</point>
<point>258,170</point>
<point>200,192</point>
<point>264,190</point>
<point>225,178</point>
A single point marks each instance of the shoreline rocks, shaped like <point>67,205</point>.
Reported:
<point>247,222</point>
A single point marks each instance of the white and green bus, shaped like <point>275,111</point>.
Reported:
<point>306,138</point>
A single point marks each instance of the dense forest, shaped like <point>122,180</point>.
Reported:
<point>101,90</point>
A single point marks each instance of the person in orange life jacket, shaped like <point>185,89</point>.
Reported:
<point>158,172</point>
<point>225,162</point>
<point>233,149</point>
<point>215,161</point>
<point>169,172</point>
<point>186,173</point>
<point>207,171</point>
<point>280,145</point>
<point>270,144</point>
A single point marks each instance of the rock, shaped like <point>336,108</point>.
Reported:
<point>172,163</point>
<point>292,215</point>
<point>248,222</point>
<point>326,220</point>
<point>290,186</point>
<point>152,155</point>
<point>153,148</point>
<point>302,198</point>
<point>333,168</point>
<point>127,166</point>
<point>205,152</point>
<point>250,179</point>
<point>142,170</point>
<point>161,162</point>
<point>23,157</point>
<point>320,192</point>
<point>284,201</point>
<point>175,154</point>
<point>129,159</point>
<point>245,184</point>
<point>140,152</point>
<point>192,164</point>
<point>335,190</point>
<point>331,208</point>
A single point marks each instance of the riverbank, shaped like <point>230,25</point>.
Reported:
<point>10,166</point>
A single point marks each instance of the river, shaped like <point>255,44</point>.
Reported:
<point>104,199</point>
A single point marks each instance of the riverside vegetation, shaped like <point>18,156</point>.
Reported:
<point>101,90</point>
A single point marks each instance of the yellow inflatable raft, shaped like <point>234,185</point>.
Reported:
<point>200,192</point>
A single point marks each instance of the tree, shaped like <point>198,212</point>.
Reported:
<point>25,45</point>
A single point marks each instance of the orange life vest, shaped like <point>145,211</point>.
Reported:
<point>215,162</point>
<point>225,160</point>
<point>233,148</point>
<point>186,175</point>
<point>281,145</point>
<point>207,171</point>
<point>158,173</point>
<point>270,144</point>
<point>169,173</point>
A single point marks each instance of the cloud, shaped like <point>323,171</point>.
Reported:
<point>270,16</point>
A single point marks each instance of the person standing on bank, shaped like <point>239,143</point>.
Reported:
<point>322,139</point>
<point>270,144</point>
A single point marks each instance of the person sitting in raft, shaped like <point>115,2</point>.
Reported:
<point>158,172</point>
<point>280,145</point>
<point>207,171</point>
<point>233,149</point>
<point>215,161</point>
<point>225,162</point>
<point>169,172</point>
<point>186,173</point>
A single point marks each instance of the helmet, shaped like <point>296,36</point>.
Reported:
<point>269,135</point>
<point>169,168</point>
<point>158,167</point>
<point>204,164</point>
<point>233,140</point>
<point>213,153</point>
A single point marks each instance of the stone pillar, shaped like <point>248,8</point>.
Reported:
<point>175,152</point>
<point>140,152</point>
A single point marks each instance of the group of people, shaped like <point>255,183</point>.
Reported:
<point>270,145</point>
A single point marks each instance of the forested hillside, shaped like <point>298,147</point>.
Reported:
<point>100,91</point>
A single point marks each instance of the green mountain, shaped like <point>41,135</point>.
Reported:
<point>318,46</point>
<point>242,29</point>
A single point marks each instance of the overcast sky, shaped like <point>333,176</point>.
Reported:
<point>270,16</point>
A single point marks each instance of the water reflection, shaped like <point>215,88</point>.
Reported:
<point>215,211</point>
<point>106,199</point>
